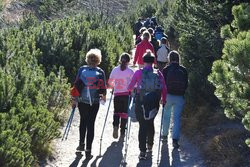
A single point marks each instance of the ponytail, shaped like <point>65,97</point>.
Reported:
<point>124,59</point>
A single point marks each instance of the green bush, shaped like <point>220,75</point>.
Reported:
<point>230,75</point>
<point>36,64</point>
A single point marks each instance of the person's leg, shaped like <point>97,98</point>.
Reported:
<point>177,110</point>
<point>150,134</point>
<point>91,125</point>
<point>124,114</point>
<point>167,116</point>
<point>116,117</point>
<point>83,110</point>
<point>142,135</point>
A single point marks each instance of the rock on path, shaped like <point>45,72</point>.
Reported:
<point>113,149</point>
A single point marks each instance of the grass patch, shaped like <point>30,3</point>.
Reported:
<point>228,149</point>
<point>221,140</point>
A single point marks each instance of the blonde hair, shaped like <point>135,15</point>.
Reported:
<point>93,57</point>
<point>146,35</point>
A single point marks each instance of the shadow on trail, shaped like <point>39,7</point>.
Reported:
<point>85,162</point>
<point>176,158</point>
<point>77,159</point>
<point>147,162</point>
<point>93,164</point>
<point>113,155</point>
<point>164,162</point>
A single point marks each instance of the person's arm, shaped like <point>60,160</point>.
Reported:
<point>111,80</point>
<point>164,88</point>
<point>78,85</point>
<point>101,85</point>
<point>77,88</point>
<point>153,51</point>
<point>186,77</point>
<point>136,55</point>
<point>134,80</point>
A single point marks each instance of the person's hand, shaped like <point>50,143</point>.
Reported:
<point>74,102</point>
<point>102,97</point>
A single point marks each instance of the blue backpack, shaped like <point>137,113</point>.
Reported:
<point>158,35</point>
<point>91,78</point>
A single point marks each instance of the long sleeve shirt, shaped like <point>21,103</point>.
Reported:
<point>120,79</point>
<point>141,49</point>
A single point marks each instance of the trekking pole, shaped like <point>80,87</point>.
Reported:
<point>160,137</point>
<point>73,112</point>
<point>68,123</point>
<point>128,132</point>
<point>105,121</point>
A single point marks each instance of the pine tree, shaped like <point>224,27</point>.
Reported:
<point>231,75</point>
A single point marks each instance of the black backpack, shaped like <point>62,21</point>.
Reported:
<point>176,80</point>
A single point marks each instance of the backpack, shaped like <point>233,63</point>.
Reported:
<point>176,80</point>
<point>163,57</point>
<point>90,78</point>
<point>150,93</point>
<point>131,111</point>
<point>158,35</point>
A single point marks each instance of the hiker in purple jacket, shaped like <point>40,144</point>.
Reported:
<point>146,129</point>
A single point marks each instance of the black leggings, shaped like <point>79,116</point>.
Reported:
<point>87,122</point>
<point>121,112</point>
<point>146,127</point>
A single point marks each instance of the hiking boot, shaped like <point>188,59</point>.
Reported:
<point>88,154</point>
<point>175,143</point>
<point>81,147</point>
<point>115,132</point>
<point>149,147</point>
<point>122,133</point>
<point>142,156</point>
<point>164,138</point>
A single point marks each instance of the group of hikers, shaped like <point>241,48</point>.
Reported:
<point>160,79</point>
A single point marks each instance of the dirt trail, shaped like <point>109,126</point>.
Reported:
<point>113,150</point>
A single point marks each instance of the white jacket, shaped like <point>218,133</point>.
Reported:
<point>162,53</point>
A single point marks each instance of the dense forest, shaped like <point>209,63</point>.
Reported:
<point>40,53</point>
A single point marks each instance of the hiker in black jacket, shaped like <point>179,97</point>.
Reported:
<point>176,79</point>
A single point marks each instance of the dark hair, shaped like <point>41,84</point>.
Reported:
<point>164,40</point>
<point>174,56</point>
<point>151,31</point>
<point>146,35</point>
<point>142,30</point>
<point>148,57</point>
<point>124,59</point>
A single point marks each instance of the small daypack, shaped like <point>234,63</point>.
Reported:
<point>150,93</point>
<point>176,80</point>
<point>163,57</point>
<point>90,78</point>
<point>158,35</point>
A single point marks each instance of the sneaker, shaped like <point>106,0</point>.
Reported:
<point>143,156</point>
<point>115,132</point>
<point>175,143</point>
<point>88,154</point>
<point>149,147</point>
<point>81,147</point>
<point>164,138</point>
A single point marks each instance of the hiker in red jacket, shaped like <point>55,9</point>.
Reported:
<point>141,49</point>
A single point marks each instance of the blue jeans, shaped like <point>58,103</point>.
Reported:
<point>173,103</point>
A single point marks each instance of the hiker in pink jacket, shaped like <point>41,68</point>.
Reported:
<point>151,88</point>
<point>141,49</point>
<point>119,79</point>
